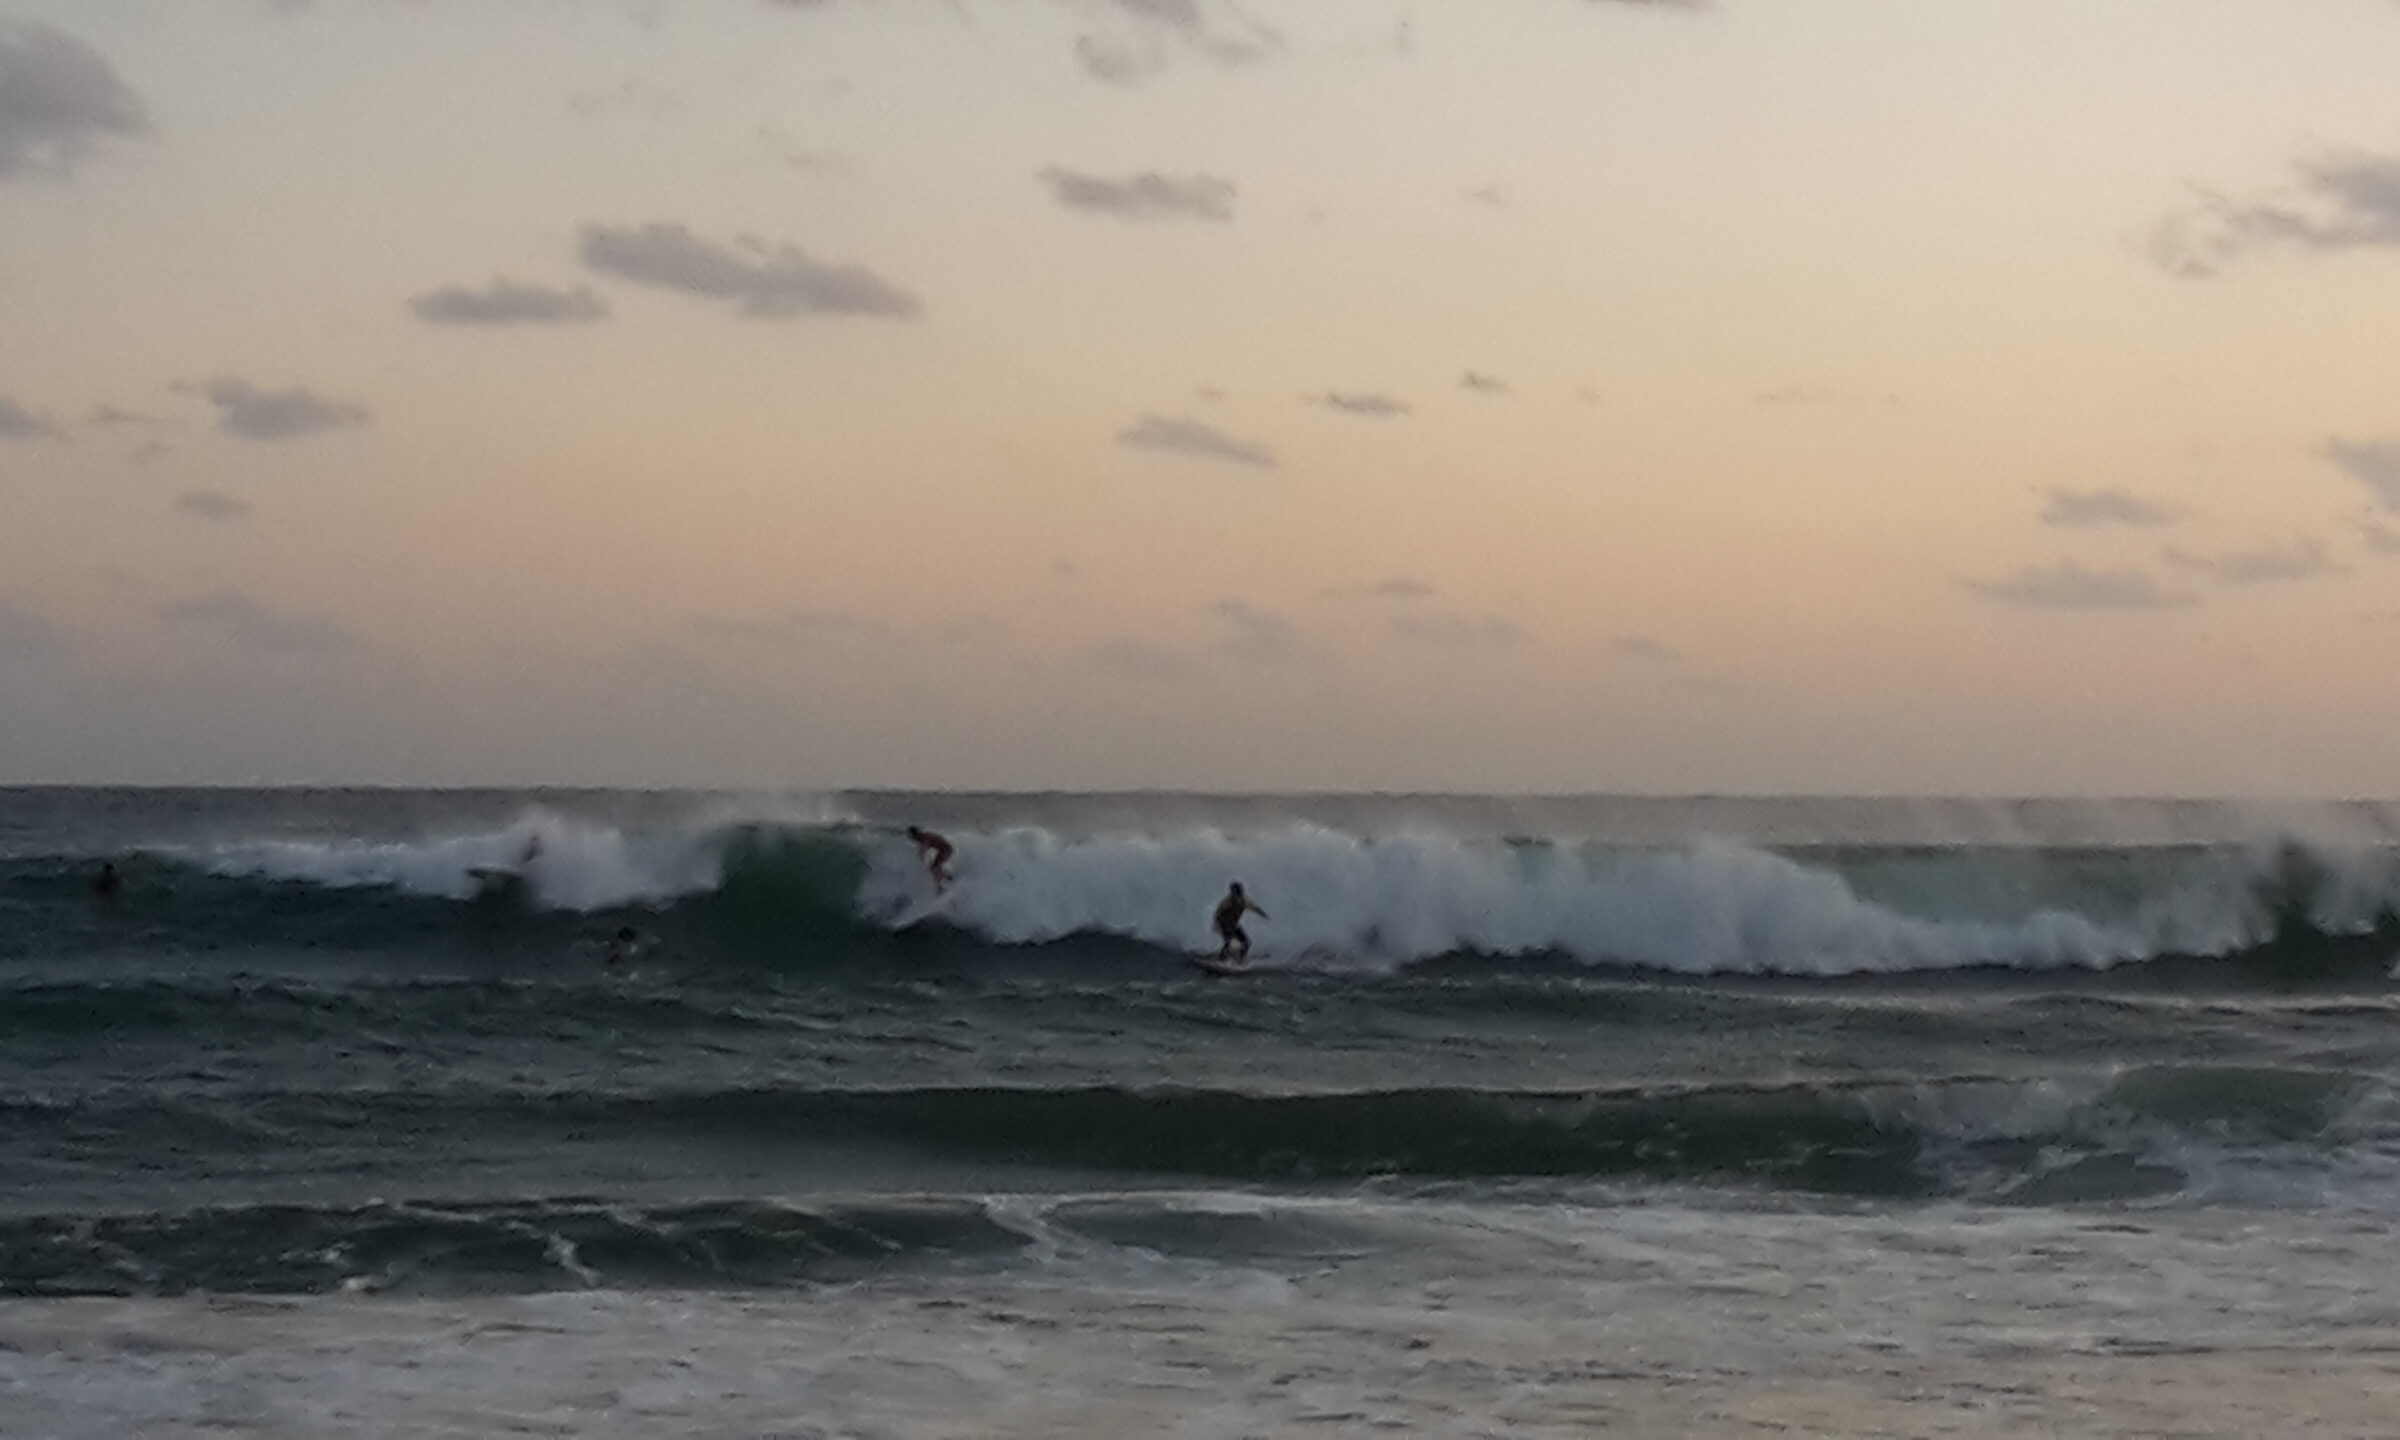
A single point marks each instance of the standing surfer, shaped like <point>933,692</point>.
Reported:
<point>1230,910</point>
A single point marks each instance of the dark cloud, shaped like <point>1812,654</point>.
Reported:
<point>1453,629</point>
<point>1141,38</point>
<point>1483,384</point>
<point>2069,586</point>
<point>1147,196</point>
<point>2090,509</point>
<point>214,506</point>
<point>252,624</point>
<point>1373,406</point>
<point>505,302</point>
<point>1126,658</point>
<point>57,98</point>
<point>254,414</point>
<point>19,423</point>
<point>109,417</point>
<point>2344,201</point>
<point>1251,633</point>
<point>764,282</point>
<point>2372,463</point>
<point>1391,587</point>
<point>2300,559</point>
<point>1191,437</point>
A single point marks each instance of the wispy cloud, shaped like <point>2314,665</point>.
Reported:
<point>1194,438</point>
<point>2301,558</point>
<point>763,281</point>
<point>1458,630</point>
<point>1482,384</point>
<point>19,423</point>
<point>1378,407</point>
<point>214,506</point>
<point>2343,200</point>
<point>1391,587</point>
<point>58,98</point>
<point>2372,463</point>
<point>1137,39</point>
<point>1647,648</point>
<point>1250,633</point>
<point>2092,509</point>
<point>797,625</point>
<point>2070,586</point>
<point>254,413</point>
<point>252,624</point>
<point>506,302</point>
<point>1146,196</point>
<point>1126,658</point>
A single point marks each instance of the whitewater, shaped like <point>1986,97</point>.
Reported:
<point>1538,1115</point>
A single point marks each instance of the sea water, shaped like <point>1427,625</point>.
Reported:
<point>1534,1116</point>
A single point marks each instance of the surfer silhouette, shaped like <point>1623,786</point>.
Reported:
<point>935,851</point>
<point>1228,920</point>
<point>107,883</point>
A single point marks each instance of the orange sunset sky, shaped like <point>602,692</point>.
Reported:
<point>1864,396</point>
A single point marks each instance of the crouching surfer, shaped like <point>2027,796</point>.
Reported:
<point>1231,910</point>
<point>935,851</point>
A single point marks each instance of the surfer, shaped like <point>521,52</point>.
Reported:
<point>624,947</point>
<point>107,883</point>
<point>1228,920</point>
<point>935,851</point>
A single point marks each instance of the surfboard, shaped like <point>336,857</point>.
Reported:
<point>1214,966</point>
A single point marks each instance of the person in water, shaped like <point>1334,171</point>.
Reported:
<point>1230,910</point>
<point>107,883</point>
<point>935,851</point>
<point>627,944</point>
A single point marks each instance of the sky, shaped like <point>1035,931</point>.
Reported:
<point>1722,397</point>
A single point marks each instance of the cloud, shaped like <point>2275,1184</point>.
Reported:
<point>26,636</point>
<point>1452,629</point>
<point>1490,195</point>
<point>19,423</point>
<point>2379,537</point>
<point>1147,196</point>
<point>1391,587</point>
<point>2069,586</point>
<point>1483,384</point>
<point>251,624</point>
<point>764,282</point>
<point>795,626</point>
<point>2372,463</point>
<point>1126,658</point>
<point>254,414</point>
<point>214,506</point>
<point>57,98</point>
<point>1644,647</point>
<point>1192,437</point>
<point>2089,509</point>
<point>1372,406</point>
<point>505,302</point>
<point>1146,37</point>
<point>2345,201</point>
<point>1251,633</point>
<point>2301,559</point>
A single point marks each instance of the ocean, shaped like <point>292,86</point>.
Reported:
<point>1534,1116</point>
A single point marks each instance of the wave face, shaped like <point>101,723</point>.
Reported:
<point>835,885</point>
<point>2145,1136</point>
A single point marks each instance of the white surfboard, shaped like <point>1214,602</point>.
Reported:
<point>922,911</point>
